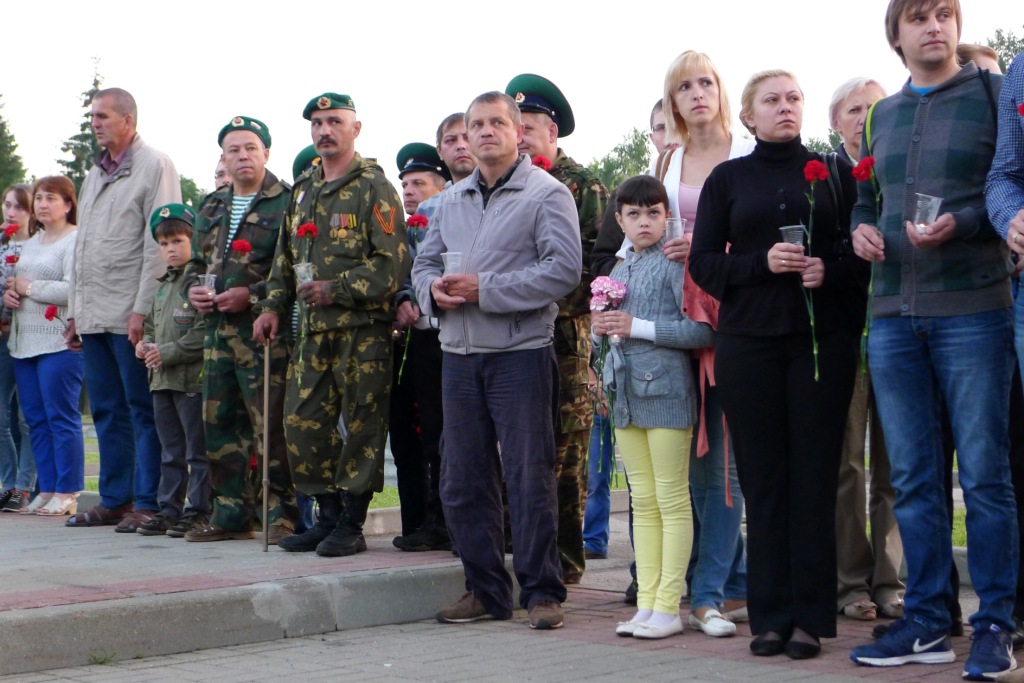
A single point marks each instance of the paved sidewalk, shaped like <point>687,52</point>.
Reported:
<point>586,649</point>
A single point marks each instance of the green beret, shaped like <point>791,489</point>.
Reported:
<point>539,95</point>
<point>329,100</point>
<point>249,124</point>
<point>419,156</point>
<point>171,211</point>
<point>306,158</point>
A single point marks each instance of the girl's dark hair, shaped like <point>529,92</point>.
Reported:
<point>641,190</point>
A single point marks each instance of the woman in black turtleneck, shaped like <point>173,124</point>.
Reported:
<point>787,428</point>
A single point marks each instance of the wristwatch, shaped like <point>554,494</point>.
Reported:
<point>253,299</point>
<point>28,290</point>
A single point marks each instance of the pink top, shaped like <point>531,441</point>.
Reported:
<point>688,196</point>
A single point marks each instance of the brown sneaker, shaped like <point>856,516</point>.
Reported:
<point>212,532</point>
<point>467,609</point>
<point>282,528</point>
<point>546,614</point>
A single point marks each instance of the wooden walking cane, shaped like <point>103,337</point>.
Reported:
<point>266,445</point>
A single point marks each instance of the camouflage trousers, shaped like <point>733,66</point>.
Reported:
<point>233,414</point>
<point>572,440</point>
<point>342,373</point>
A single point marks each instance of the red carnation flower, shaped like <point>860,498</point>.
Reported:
<point>307,229</point>
<point>815,170</point>
<point>11,259</point>
<point>51,312</point>
<point>542,161</point>
<point>241,246</point>
<point>417,220</point>
<point>11,230</point>
<point>1020,109</point>
<point>862,171</point>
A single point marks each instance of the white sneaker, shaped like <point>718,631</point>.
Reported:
<point>714,624</point>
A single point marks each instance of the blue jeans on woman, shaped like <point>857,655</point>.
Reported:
<point>968,361</point>
<point>50,386</point>
<point>600,464</point>
<point>17,465</point>
<point>721,570</point>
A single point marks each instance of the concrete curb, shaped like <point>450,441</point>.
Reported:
<point>77,635</point>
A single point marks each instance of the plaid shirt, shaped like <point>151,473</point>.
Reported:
<point>1005,187</point>
<point>940,144</point>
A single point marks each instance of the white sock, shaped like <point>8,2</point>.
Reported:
<point>660,619</point>
<point>641,616</point>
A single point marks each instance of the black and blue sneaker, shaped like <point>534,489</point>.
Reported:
<point>906,642</point>
<point>991,654</point>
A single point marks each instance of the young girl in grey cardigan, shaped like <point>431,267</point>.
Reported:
<point>653,402</point>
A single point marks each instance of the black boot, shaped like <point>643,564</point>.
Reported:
<point>347,537</point>
<point>330,511</point>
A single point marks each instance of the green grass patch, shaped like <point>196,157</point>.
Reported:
<point>388,498</point>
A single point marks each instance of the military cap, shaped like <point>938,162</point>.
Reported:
<point>167,212</point>
<point>329,100</point>
<point>539,95</point>
<point>306,158</point>
<point>419,156</point>
<point>246,123</point>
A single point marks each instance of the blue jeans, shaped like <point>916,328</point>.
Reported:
<point>1018,326</point>
<point>721,571</point>
<point>600,464</point>
<point>969,359</point>
<point>17,464</point>
<point>507,398</point>
<point>122,411</point>
<point>49,386</point>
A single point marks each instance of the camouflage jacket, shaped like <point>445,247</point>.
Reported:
<point>360,246</point>
<point>591,198</point>
<point>259,227</point>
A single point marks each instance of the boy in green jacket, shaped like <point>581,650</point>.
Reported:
<point>172,348</point>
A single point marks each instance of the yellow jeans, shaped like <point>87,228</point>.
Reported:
<point>658,467</point>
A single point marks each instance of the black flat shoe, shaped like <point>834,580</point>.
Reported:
<point>800,650</point>
<point>767,645</point>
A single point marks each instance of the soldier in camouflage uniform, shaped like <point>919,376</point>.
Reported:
<point>345,222</point>
<point>235,236</point>
<point>546,117</point>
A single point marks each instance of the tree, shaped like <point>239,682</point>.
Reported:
<point>1007,46</point>
<point>11,169</point>
<point>82,145</point>
<point>191,194</point>
<point>823,146</point>
<point>630,157</point>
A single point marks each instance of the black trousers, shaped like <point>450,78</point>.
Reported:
<point>416,421</point>
<point>787,432</point>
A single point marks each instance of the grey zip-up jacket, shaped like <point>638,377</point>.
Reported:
<point>525,248</point>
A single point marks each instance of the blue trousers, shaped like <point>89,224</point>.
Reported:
<point>508,398</point>
<point>122,411</point>
<point>50,386</point>
<point>600,465</point>
<point>17,464</point>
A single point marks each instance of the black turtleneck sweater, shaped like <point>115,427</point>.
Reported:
<point>742,206</point>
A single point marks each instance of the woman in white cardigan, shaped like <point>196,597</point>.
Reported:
<point>699,117</point>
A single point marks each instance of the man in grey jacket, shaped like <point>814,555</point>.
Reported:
<point>112,287</point>
<point>514,232</point>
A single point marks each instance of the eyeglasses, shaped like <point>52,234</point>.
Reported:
<point>659,128</point>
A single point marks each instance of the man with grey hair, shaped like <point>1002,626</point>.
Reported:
<point>510,240</point>
<point>113,283</point>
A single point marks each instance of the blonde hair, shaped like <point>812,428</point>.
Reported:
<point>850,87</point>
<point>686,64</point>
<point>750,90</point>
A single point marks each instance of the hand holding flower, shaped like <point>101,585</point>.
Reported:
<point>11,299</point>
<point>408,314</point>
<point>612,323</point>
<point>814,273</point>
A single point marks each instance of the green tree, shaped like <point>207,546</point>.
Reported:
<point>11,169</point>
<point>191,194</point>
<point>630,157</point>
<point>822,145</point>
<point>82,145</point>
<point>1007,46</point>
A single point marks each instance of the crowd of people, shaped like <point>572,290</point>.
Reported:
<point>732,322</point>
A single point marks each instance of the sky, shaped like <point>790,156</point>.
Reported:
<point>194,65</point>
